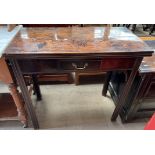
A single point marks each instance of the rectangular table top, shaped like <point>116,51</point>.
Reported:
<point>78,40</point>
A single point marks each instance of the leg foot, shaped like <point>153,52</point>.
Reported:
<point>19,103</point>
<point>77,78</point>
<point>25,125</point>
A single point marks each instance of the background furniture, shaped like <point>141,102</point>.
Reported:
<point>47,79</point>
<point>7,104</point>
<point>149,27</point>
<point>141,99</point>
<point>146,27</point>
<point>79,74</point>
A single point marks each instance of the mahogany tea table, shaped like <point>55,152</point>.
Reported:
<point>37,51</point>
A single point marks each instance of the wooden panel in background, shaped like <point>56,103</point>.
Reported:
<point>5,75</point>
<point>7,106</point>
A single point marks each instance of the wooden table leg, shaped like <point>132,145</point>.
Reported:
<point>77,78</point>
<point>106,83</point>
<point>126,90</point>
<point>36,87</point>
<point>28,102</point>
<point>19,104</point>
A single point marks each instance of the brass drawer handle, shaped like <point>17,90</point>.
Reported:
<point>79,68</point>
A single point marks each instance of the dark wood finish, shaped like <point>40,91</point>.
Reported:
<point>127,89</point>
<point>117,63</point>
<point>25,92</point>
<point>82,65</point>
<point>36,87</point>
<point>146,93</point>
<point>79,74</point>
<point>64,77</point>
<point>75,46</point>
<point>76,41</point>
<point>106,83</point>
<point>141,98</point>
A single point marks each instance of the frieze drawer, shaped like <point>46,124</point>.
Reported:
<point>38,66</point>
<point>82,65</point>
<point>117,63</point>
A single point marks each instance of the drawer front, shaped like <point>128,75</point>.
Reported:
<point>38,66</point>
<point>81,65</point>
<point>117,63</point>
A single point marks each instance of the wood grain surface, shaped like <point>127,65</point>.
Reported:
<point>77,40</point>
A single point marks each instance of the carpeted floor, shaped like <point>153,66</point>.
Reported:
<point>66,106</point>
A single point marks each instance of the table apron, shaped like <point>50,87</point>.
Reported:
<point>48,66</point>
